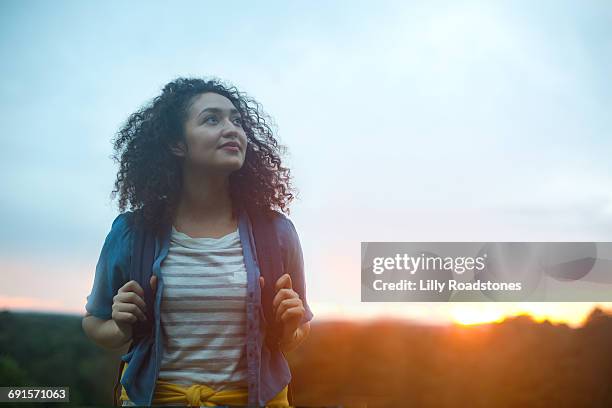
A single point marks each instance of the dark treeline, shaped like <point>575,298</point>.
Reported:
<point>52,350</point>
<point>517,363</point>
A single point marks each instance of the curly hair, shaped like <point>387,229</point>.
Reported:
<point>149,179</point>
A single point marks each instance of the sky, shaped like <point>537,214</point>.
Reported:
<point>404,121</point>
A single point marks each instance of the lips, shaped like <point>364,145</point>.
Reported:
<point>230,144</point>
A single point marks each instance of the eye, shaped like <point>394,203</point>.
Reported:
<point>238,121</point>
<point>211,120</point>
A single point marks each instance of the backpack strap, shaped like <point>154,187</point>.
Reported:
<point>143,256</point>
<point>270,262</point>
<point>141,270</point>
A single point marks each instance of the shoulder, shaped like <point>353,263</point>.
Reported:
<point>119,239</point>
<point>284,228</point>
<point>288,240</point>
<point>123,220</point>
<point>123,224</point>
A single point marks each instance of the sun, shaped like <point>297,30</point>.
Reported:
<point>572,314</point>
<point>471,315</point>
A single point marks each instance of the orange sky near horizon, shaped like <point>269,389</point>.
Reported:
<point>68,296</point>
<point>468,313</point>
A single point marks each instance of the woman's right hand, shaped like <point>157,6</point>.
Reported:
<point>129,306</point>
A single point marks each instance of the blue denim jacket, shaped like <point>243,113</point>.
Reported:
<point>268,371</point>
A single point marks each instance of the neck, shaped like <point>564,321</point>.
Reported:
<point>204,197</point>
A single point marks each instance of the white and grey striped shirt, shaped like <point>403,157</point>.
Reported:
<point>203,312</point>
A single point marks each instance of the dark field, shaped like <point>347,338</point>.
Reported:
<point>518,363</point>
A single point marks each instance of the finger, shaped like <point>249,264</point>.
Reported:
<point>261,282</point>
<point>124,317</point>
<point>153,282</point>
<point>131,309</point>
<point>132,286</point>
<point>285,305</point>
<point>282,295</point>
<point>130,298</point>
<point>292,314</point>
<point>283,282</point>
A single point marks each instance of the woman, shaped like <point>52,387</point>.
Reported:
<point>199,158</point>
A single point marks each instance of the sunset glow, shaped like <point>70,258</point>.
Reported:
<point>572,314</point>
<point>471,316</point>
<point>32,304</point>
<point>465,314</point>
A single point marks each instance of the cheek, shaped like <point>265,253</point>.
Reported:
<point>203,142</point>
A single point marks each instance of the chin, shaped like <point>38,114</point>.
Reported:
<point>231,166</point>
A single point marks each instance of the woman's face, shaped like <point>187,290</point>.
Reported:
<point>214,135</point>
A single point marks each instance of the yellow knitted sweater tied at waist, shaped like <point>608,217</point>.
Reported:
<point>202,395</point>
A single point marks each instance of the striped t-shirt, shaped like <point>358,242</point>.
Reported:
<point>203,312</point>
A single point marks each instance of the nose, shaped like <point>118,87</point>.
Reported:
<point>230,129</point>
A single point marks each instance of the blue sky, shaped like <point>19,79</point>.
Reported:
<point>405,121</point>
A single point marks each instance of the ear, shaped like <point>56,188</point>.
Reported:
<point>179,149</point>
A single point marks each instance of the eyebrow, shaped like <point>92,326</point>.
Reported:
<point>218,110</point>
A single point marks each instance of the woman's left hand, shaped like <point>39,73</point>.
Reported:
<point>287,306</point>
